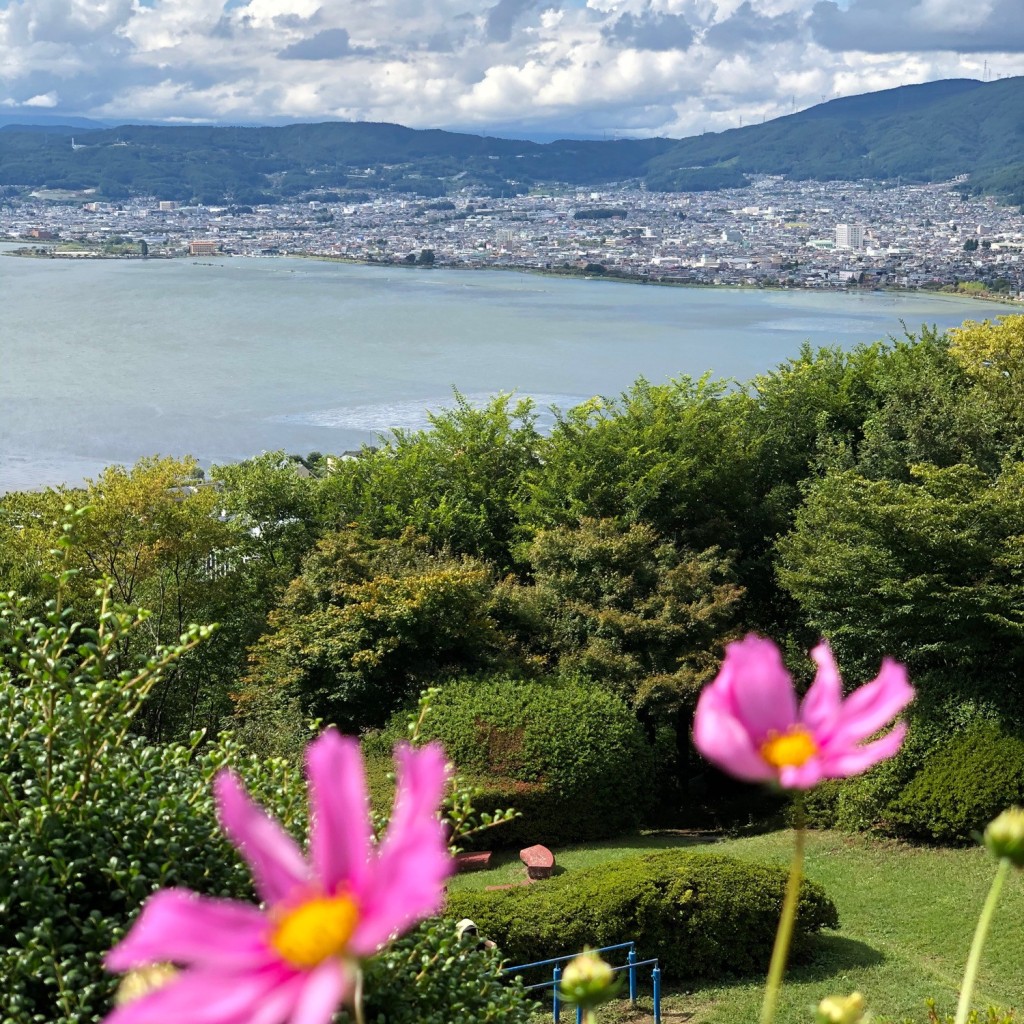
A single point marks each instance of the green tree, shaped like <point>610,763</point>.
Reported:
<point>644,618</point>
<point>156,534</point>
<point>928,571</point>
<point>363,627</point>
<point>668,455</point>
<point>928,408</point>
<point>993,353</point>
<point>459,483</point>
<point>617,604</point>
<point>271,499</point>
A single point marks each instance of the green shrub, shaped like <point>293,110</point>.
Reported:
<point>430,976</point>
<point>569,755</point>
<point>962,786</point>
<point>820,805</point>
<point>93,819</point>
<point>864,803</point>
<point>703,915</point>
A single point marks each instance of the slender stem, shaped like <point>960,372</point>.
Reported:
<point>357,997</point>
<point>980,934</point>
<point>590,1017</point>
<point>784,936</point>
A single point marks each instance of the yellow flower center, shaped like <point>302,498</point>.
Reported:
<point>314,930</point>
<point>790,749</point>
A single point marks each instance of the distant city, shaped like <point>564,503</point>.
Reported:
<point>775,232</point>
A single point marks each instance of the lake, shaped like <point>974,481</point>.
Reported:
<point>108,360</point>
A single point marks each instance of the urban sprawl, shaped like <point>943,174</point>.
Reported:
<point>772,233</point>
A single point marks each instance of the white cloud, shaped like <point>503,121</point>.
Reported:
<point>49,99</point>
<point>670,67</point>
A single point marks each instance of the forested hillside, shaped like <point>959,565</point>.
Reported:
<point>931,132</point>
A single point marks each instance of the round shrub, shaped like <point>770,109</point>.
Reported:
<point>569,755</point>
<point>962,786</point>
<point>431,976</point>
<point>702,915</point>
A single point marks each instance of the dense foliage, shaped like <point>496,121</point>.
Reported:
<point>962,786</point>
<point>569,757</point>
<point>92,818</point>
<point>704,916</point>
<point>874,496</point>
<point>433,976</point>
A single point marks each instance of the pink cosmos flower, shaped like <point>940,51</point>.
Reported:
<point>748,721</point>
<point>293,958</point>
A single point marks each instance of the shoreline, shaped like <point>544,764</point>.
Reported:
<point>996,298</point>
<point>636,279</point>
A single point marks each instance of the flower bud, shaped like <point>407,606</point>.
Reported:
<point>141,981</point>
<point>1004,836</point>
<point>588,981</point>
<point>841,1009</point>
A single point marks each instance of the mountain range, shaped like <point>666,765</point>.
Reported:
<point>956,128</point>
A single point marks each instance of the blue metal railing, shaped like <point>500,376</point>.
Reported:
<point>630,965</point>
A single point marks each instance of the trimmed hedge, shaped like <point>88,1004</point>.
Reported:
<point>705,916</point>
<point>962,786</point>
<point>570,756</point>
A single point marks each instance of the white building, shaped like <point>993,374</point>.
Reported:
<point>849,236</point>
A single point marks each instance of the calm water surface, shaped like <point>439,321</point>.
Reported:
<point>106,361</point>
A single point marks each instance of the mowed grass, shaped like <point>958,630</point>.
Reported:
<point>907,918</point>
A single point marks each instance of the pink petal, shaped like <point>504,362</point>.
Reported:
<point>756,682</point>
<point>873,706</point>
<point>274,858</point>
<point>724,741</point>
<point>203,997</point>
<point>822,703</point>
<point>321,994</point>
<point>804,776</point>
<point>277,1007</point>
<point>177,926</point>
<point>855,760</point>
<point>421,775</point>
<point>406,881</point>
<point>340,831</point>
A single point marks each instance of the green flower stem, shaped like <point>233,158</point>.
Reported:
<point>784,936</point>
<point>980,934</point>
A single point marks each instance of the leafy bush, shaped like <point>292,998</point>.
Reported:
<point>93,819</point>
<point>569,756</point>
<point>865,802</point>
<point>703,916</point>
<point>963,785</point>
<point>430,976</point>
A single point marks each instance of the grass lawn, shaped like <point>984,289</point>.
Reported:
<point>907,917</point>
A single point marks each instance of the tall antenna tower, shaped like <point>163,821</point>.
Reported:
<point>984,72</point>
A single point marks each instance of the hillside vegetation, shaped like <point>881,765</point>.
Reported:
<point>931,132</point>
<point>873,497</point>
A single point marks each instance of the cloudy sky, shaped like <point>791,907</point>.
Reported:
<point>588,67</point>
